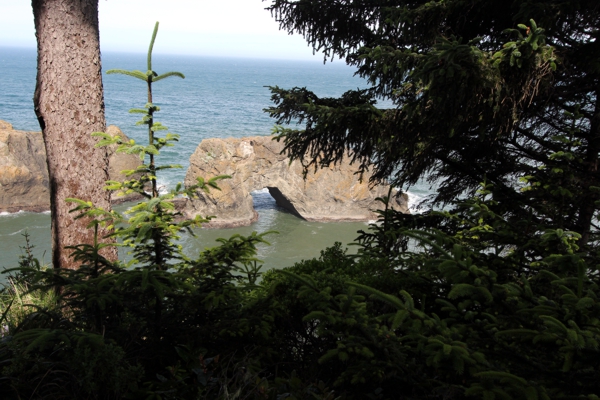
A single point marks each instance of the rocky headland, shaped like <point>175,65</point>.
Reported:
<point>24,173</point>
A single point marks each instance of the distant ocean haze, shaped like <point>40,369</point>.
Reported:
<point>219,97</point>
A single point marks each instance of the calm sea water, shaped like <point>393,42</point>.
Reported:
<point>218,98</point>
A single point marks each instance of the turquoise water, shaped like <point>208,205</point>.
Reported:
<point>219,97</point>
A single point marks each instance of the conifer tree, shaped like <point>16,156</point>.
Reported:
<point>480,90</point>
<point>69,104</point>
<point>496,295</point>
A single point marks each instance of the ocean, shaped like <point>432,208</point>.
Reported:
<point>219,97</point>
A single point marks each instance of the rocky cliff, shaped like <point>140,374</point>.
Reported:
<point>24,174</point>
<point>23,171</point>
<point>330,194</point>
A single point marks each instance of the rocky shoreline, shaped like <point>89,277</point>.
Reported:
<point>334,193</point>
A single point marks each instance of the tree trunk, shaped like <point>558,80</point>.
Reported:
<point>588,201</point>
<point>69,105</point>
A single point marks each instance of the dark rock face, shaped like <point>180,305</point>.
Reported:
<point>24,174</point>
<point>329,194</point>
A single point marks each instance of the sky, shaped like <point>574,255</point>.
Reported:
<point>230,28</point>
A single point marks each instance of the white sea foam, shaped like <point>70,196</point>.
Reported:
<point>162,186</point>
<point>413,201</point>
<point>19,213</point>
<point>9,214</point>
<point>163,189</point>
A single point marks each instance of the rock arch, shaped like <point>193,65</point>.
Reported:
<point>254,163</point>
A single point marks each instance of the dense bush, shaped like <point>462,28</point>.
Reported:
<point>488,311</point>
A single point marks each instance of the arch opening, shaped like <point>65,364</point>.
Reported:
<point>283,201</point>
<point>269,198</point>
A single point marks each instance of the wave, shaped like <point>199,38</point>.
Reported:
<point>263,200</point>
<point>16,214</point>
<point>27,229</point>
<point>9,214</point>
<point>163,188</point>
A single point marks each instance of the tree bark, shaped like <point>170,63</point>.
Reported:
<point>588,201</point>
<point>69,105</point>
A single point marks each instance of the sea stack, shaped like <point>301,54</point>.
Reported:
<point>334,193</point>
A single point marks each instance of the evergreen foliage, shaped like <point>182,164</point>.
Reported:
<point>489,90</point>
<point>458,315</point>
<point>495,103</point>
